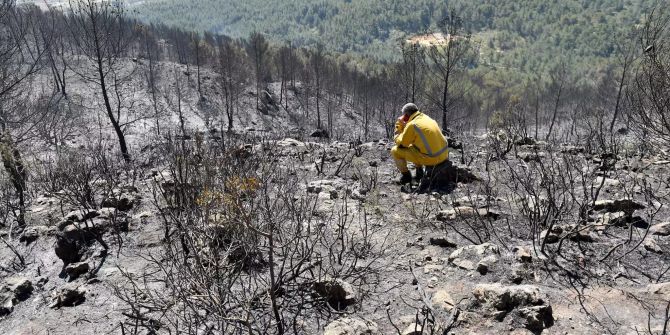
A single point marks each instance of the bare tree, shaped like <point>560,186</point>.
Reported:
<point>411,69</point>
<point>20,58</point>
<point>232,76</point>
<point>650,96</point>
<point>317,60</point>
<point>558,80</point>
<point>101,36</point>
<point>152,53</point>
<point>56,46</point>
<point>257,48</point>
<point>627,54</point>
<point>200,52</point>
<point>452,52</point>
<point>287,60</point>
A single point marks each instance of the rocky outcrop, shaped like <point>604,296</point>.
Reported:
<point>531,156</point>
<point>31,234</point>
<point>651,245</point>
<point>338,293</point>
<point>522,254</point>
<point>76,235</point>
<point>525,303</point>
<point>290,142</point>
<point>443,300</point>
<point>627,206</point>
<point>75,270</point>
<point>617,219</point>
<point>572,232</point>
<point>122,203</point>
<point>320,133</point>
<point>551,236</point>
<point>68,296</point>
<point>572,149</point>
<point>15,290</point>
<point>660,229</point>
<point>81,215</point>
<point>325,185</point>
<point>441,241</point>
<point>479,257</point>
<point>466,212</point>
<point>507,298</point>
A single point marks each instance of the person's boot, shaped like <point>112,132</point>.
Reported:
<point>426,181</point>
<point>429,170</point>
<point>419,173</point>
<point>406,178</point>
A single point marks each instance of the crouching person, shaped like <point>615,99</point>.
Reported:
<point>418,139</point>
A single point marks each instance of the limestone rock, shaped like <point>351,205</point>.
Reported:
<point>466,212</point>
<point>6,303</point>
<point>525,141</point>
<point>522,254</point>
<point>582,236</point>
<point>651,245</point>
<point>441,241</point>
<point>661,229</point>
<point>15,289</point>
<point>472,201</point>
<point>638,222</point>
<point>445,175</point>
<point>289,142</point>
<point>68,296</point>
<point>81,215</point>
<point>69,251</point>
<point>325,185</point>
<point>108,212</point>
<point>606,182</point>
<point>93,227</point>
<point>75,237</point>
<point>622,205</point>
<point>507,298</point>
<point>351,326</point>
<point>122,203</point>
<point>320,133</point>
<point>518,273</point>
<point>443,300</point>
<point>21,287</point>
<point>29,235</point>
<point>537,318</point>
<point>337,292</point>
<point>571,149</point>
<point>552,236</point>
<point>467,257</point>
<point>531,156</point>
<point>75,270</point>
<point>485,264</point>
<point>618,219</point>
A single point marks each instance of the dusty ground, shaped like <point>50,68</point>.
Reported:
<point>412,267</point>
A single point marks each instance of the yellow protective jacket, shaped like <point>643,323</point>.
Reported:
<point>422,132</point>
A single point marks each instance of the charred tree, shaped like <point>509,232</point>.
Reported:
<point>102,35</point>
